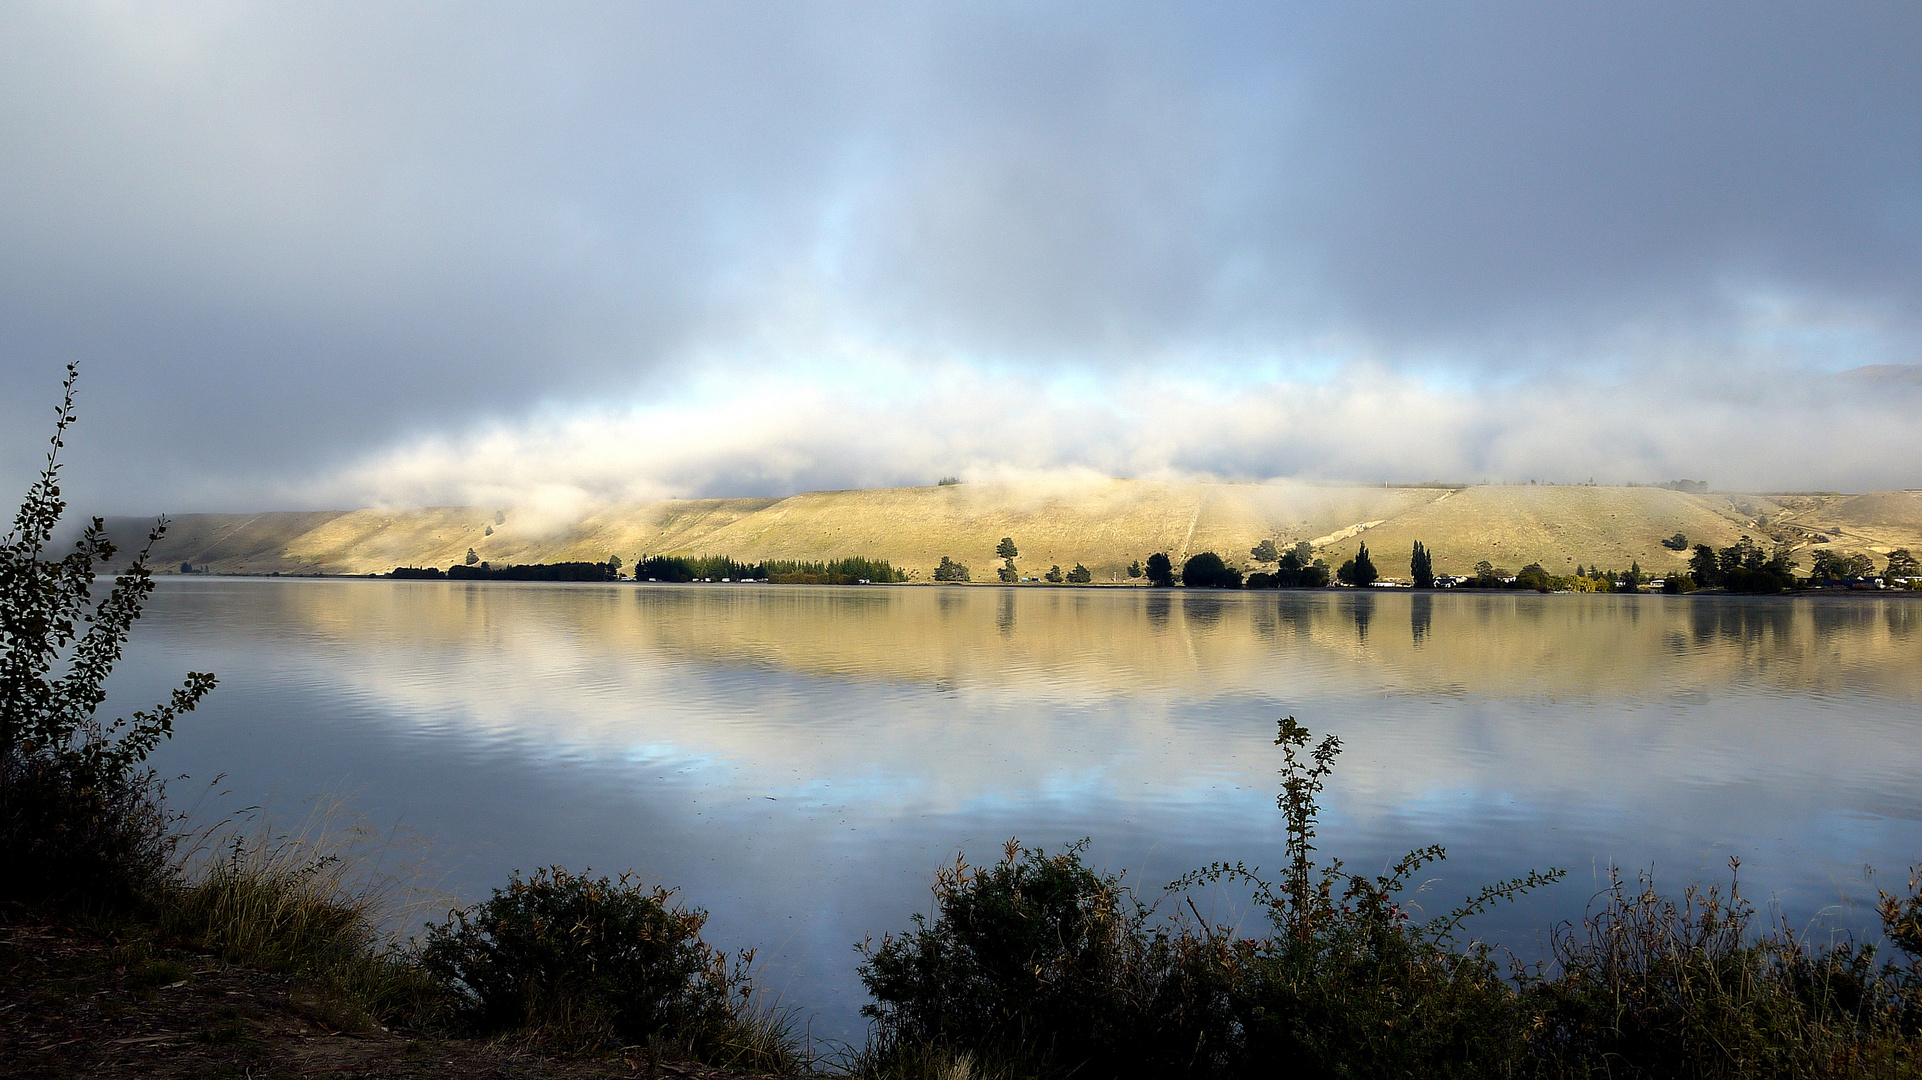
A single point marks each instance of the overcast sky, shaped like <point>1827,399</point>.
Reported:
<point>333,255</point>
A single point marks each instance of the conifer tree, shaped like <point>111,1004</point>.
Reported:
<point>1421,567</point>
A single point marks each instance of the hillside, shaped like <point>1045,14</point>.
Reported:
<point>1104,524</point>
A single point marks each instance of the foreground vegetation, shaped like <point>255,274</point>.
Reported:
<point>1037,965</point>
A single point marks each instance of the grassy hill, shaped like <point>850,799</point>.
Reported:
<point>1103,524</point>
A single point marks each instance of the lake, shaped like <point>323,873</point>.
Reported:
<point>798,760</point>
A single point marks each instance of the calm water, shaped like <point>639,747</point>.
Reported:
<point>798,760</point>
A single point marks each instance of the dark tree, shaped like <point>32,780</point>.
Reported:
<point>1160,571</point>
<point>1533,576</point>
<point>1053,576</point>
<point>1206,570</point>
<point>471,557</point>
<point>1080,575</point>
<point>1006,549</point>
<point>1632,581</point>
<point>1134,569</point>
<point>1704,567</point>
<point>1265,552</point>
<point>1358,571</point>
<point>1421,567</point>
<point>1006,571</point>
<point>1902,564</point>
<point>1678,542</point>
<point>949,570</point>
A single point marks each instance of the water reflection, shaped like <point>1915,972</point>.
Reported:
<point>799,759</point>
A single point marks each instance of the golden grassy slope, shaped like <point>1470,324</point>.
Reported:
<point>1103,524</point>
<point>1556,526</point>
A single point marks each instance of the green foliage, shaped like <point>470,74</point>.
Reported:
<point>1678,542</point>
<point>1265,552</point>
<point>1207,571</point>
<point>581,958</point>
<point>949,570</point>
<point>1534,577</point>
<point>1134,569</point>
<point>1161,572</point>
<point>1006,549</point>
<point>1358,571</point>
<point>471,559</point>
<point>1007,573</point>
<point>947,481</point>
<point>1080,575</point>
<point>80,814</point>
<point>1677,583</point>
<point>1421,567</point>
<point>1053,576</point>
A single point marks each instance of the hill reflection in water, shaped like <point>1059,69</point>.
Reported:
<point>799,759</point>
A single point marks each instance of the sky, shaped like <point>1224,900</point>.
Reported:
<point>336,255</point>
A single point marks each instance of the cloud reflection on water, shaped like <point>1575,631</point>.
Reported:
<point>799,758</point>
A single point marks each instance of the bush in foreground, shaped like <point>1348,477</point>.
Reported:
<point>582,960</point>
<point>1040,966</point>
<point>1047,967</point>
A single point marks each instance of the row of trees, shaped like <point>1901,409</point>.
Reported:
<point>1740,567</point>
<point>846,571</point>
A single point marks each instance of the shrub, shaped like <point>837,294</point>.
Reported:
<point>949,570</point>
<point>581,959</point>
<point>1049,965</point>
<point>81,817</point>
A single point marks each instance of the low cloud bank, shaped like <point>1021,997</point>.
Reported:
<point>777,436</point>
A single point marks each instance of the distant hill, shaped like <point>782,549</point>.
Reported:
<point>1103,524</point>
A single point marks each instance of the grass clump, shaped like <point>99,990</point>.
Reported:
<point>1649,986</point>
<point>314,903</point>
<point>584,961</point>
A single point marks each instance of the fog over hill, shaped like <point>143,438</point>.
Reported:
<point>1101,523</point>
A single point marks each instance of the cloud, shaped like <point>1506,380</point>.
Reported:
<point>289,240</point>
<point>773,436</point>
